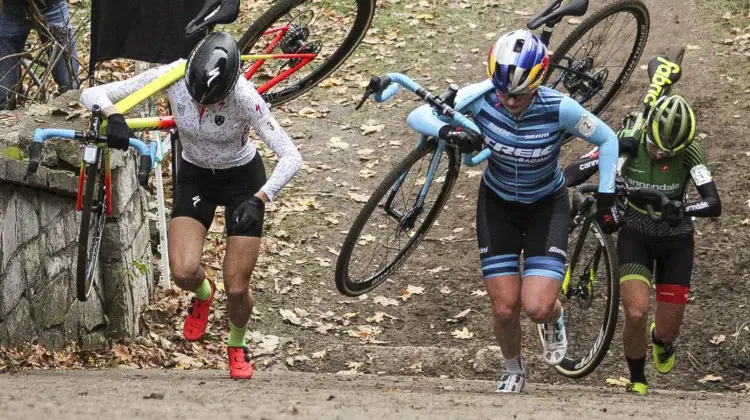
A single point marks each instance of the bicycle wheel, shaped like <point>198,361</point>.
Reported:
<point>591,301</point>
<point>393,217</point>
<point>331,29</point>
<point>585,65</point>
<point>92,224</point>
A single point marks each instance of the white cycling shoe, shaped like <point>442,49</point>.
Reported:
<point>554,341</point>
<point>511,383</point>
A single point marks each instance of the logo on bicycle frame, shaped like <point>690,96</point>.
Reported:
<point>219,120</point>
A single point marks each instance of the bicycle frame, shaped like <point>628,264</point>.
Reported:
<point>166,122</point>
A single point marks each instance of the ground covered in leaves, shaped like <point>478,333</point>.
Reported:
<point>436,304</point>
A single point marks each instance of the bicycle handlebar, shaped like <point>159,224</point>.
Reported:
<point>622,189</point>
<point>385,87</point>
<point>147,152</point>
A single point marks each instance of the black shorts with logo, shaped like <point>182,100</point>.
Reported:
<point>199,191</point>
<point>540,230</point>
<point>672,256</point>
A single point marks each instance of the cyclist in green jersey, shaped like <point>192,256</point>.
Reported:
<point>661,155</point>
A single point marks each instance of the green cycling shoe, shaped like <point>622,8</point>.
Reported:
<point>637,388</point>
<point>663,354</point>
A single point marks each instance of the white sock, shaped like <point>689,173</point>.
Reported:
<point>515,365</point>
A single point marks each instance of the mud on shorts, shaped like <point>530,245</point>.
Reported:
<point>673,256</point>
<point>199,191</point>
<point>506,228</point>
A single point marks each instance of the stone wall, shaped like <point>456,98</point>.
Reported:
<point>38,248</point>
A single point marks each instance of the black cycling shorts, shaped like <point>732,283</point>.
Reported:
<point>673,255</point>
<point>506,228</point>
<point>200,190</point>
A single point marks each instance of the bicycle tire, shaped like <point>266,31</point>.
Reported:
<point>365,14</point>
<point>344,284</point>
<point>643,20</point>
<point>90,232</point>
<point>580,367</point>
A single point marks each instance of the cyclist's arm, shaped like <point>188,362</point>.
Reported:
<point>425,121</point>
<point>269,130</point>
<point>577,121</point>
<point>106,95</point>
<point>587,165</point>
<point>709,204</point>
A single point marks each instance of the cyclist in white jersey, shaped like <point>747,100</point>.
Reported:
<point>215,109</point>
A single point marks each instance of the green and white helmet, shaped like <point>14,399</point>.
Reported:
<point>670,124</point>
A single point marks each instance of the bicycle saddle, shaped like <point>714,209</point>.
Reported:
<point>553,11</point>
<point>213,12</point>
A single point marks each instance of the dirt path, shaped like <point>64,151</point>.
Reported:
<point>439,41</point>
<point>127,394</point>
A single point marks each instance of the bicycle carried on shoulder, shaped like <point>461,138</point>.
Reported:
<point>591,289</point>
<point>291,35</point>
<point>585,78</point>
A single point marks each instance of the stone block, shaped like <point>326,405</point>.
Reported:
<point>62,182</point>
<point>27,219</point>
<point>51,206</point>
<point>52,339</point>
<point>59,263</point>
<point>32,261</point>
<point>8,231</point>
<point>56,238</point>
<point>20,325</point>
<point>52,303</point>
<point>92,312</point>
<point>124,185</point>
<point>15,171</point>
<point>3,159</point>
<point>12,286</point>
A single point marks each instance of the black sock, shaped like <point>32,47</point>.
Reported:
<point>637,368</point>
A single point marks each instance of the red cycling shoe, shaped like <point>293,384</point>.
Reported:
<point>240,366</point>
<point>196,320</point>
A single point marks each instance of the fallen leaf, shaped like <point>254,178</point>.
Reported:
<point>122,354</point>
<point>411,290</point>
<point>473,174</point>
<point>360,198</point>
<point>710,378</point>
<point>463,334</point>
<point>718,339</point>
<point>267,345</point>
<point>574,21</point>
<point>337,143</point>
<point>380,317</point>
<point>371,128</point>
<point>290,316</point>
<point>319,354</point>
<point>693,47</point>
<point>446,290</point>
<point>384,301</point>
<point>618,382</point>
<point>462,314</point>
<point>479,292</point>
<point>308,112</point>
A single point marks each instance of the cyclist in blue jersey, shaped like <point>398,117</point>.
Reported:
<point>523,206</point>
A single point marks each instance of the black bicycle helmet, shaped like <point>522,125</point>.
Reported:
<point>213,68</point>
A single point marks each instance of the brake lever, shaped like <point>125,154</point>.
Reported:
<point>367,94</point>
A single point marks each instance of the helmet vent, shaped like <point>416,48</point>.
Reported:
<point>519,46</point>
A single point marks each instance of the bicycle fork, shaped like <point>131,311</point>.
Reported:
<point>409,216</point>
<point>584,288</point>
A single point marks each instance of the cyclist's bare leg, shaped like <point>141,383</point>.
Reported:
<point>635,296</point>
<point>239,262</point>
<point>186,236</point>
<point>668,321</point>
<point>505,294</point>
<point>539,298</point>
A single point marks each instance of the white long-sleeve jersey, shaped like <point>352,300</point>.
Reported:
<point>215,136</point>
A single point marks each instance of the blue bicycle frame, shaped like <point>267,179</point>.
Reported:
<point>456,118</point>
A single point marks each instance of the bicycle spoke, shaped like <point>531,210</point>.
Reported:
<point>385,236</point>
